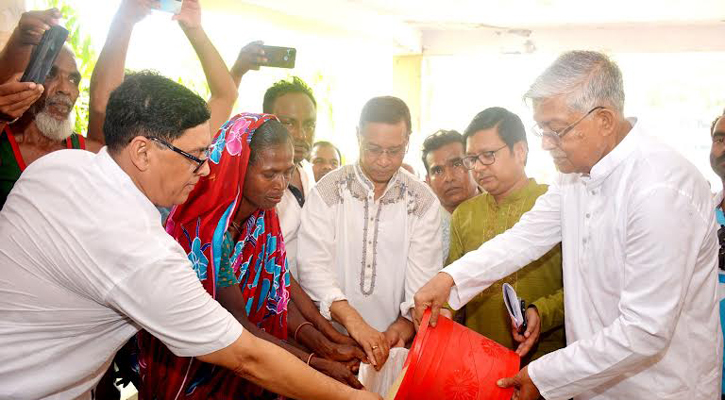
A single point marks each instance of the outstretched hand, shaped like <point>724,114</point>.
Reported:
<point>250,57</point>
<point>190,15</point>
<point>433,295</point>
<point>16,97</point>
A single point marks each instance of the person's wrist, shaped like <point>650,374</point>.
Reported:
<point>191,29</point>
<point>448,278</point>
<point>323,346</point>
<point>238,70</point>
<point>7,119</point>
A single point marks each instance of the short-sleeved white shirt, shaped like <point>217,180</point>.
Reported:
<point>85,265</point>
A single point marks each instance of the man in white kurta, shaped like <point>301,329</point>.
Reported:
<point>375,254</point>
<point>371,242</point>
<point>639,255</point>
<point>290,212</point>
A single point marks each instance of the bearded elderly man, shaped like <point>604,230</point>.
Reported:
<point>47,126</point>
<point>639,251</point>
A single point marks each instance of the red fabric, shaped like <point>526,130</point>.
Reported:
<point>259,264</point>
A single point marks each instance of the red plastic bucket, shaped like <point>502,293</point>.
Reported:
<point>453,362</point>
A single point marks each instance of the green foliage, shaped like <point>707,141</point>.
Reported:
<point>86,57</point>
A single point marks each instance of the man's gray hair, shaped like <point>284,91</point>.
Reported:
<point>587,79</point>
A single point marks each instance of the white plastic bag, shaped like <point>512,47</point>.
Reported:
<point>380,381</point>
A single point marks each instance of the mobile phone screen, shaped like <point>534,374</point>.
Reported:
<point>172,6</point>
<point>280,57</point>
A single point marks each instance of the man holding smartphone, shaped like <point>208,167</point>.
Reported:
<point>47,126</point>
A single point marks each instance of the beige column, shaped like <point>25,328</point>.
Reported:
<point>10,11</point>
<point>406,85</point>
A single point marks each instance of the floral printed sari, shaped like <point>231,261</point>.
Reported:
<point>256,264</point>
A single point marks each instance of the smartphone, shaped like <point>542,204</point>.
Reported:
<point>44,55</point>
<point>172,6</point>
<point>279,57</point>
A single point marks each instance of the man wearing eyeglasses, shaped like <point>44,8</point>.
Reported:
<point>370,235</point>
<point>496,153</point>
<point>87,264</point>
<point>450,180</point>
<point>639,251</point>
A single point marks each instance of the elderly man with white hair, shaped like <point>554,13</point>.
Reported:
<point>639,250</point>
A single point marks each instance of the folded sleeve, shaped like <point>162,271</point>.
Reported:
<point>166,298</point>
<point>316,253</point>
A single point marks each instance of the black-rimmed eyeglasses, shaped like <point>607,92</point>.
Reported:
<point>485,158</point>
<point>557,135</point>
<point>198,161</point>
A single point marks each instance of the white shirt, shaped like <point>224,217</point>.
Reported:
<point>85,265</point>
<point>445,233</point>
<point>375,254</point>
<point>289,212</point>
<point>640,277</point>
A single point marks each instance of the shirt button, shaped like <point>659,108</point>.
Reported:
<point>370,242</point>
<point>584,241</point>
<point>588,215</point>
<point>368,266</point>
<point>594,192</point>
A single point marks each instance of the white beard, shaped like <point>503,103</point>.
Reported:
<point>52,128</point>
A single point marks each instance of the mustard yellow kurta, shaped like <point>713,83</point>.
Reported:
<point>478,220</point>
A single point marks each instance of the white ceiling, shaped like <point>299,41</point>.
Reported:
<point>436,26</point>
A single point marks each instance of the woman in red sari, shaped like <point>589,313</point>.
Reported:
<point>230,230</point>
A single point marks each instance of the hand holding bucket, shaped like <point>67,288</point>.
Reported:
<point>450,361</point>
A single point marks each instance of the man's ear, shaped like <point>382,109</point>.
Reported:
<point>607,121</point>
<point>427,179</point>
<point>139,152</point>
<point>521,151</point>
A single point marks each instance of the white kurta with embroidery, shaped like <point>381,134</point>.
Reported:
<point>639,251</point>
<point>289,212</point>
<point>375,254</point>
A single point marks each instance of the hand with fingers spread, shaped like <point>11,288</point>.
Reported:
<point>250,57</point>
<point>530,337</point>
<point>16,97</point>
<point>133,11</point>
<point>433,295</point>
<point>337,371</point>
<point>189,17</point>
<point>33,24</point>
<point>374,343</point>
<point>524,387</point>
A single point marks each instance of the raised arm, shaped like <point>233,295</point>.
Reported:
<point>108,73</point>
<point>222,87</point>
<point>249,58</point>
